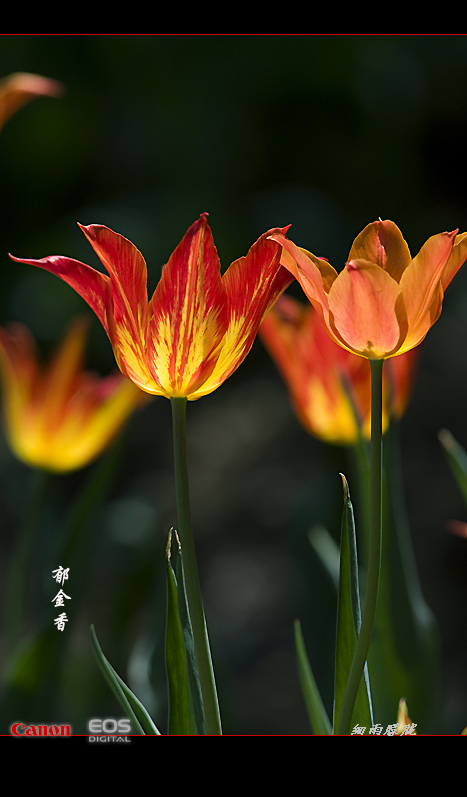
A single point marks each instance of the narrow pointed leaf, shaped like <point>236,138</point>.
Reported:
<point>348,620</point>
<point>189,648</point>
<point>134,709</point>
<point>457,459</point>
<point>316,712</point>
<point>181,711</point>
<point>327,551</point>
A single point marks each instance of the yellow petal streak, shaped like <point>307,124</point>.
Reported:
<point>187,329</point>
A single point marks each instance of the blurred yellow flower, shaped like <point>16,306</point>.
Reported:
<point>58,417</point>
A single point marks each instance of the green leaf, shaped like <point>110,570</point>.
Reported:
<point>327,551</point>
<point>348,621</point>
<point>457,459</point>
<point>316,712</point>
<point>181,712</point>
<point>186,710</point>
<point>134,709</point>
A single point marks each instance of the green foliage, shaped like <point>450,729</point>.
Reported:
<point>186,713</point>
<point>348,620</point>
<point>133,708</point>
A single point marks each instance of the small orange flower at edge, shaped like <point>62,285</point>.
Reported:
<point>405,726</point>
<point>58,417</point>
<point>329,387</point>
<point>384,301</point>
<point>198,326</point>
<point>21,87</point>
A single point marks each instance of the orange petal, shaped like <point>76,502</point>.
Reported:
<point>366,310</point>
<point>21,87</point>
<point>252,285</point>
<point>20,376</point>
<point>59,378</point>
<point>382,243</point>
<point>315,275</point>
<point>456,259</point>
<point>421,286</point>
<point>59,417</point>
<point>90,284</point>
<point>128,277</point>
<point>313,368</point>
<point>129,300</point>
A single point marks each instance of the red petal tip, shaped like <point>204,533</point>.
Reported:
<point>89,229</point>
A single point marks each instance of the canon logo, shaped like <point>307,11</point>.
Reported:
<point>19,729</point>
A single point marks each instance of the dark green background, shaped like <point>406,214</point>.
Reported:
<point>323,132</point>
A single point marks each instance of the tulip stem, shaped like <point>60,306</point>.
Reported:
<point>192,584</point>
<point>374,551</point>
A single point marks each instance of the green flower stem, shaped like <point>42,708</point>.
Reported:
<point>192,585</point>
<point>374,551</point>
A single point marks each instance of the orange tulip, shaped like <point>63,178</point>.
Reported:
<point>329,386</point>
<point>198,326</point>
<point>58,417</point>
<point>384,301</point>
<point>21,87</point>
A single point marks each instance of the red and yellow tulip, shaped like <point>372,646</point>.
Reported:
<point>384,301</point>
<point>329,387</point>
<point>57,416</point>
<point>198,326</point>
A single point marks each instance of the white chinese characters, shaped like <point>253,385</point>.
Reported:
<point>60,575</point>
<point>391,730</point>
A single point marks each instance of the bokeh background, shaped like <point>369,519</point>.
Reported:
<point>323,132</point>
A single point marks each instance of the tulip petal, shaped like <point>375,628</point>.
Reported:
<point>20,379</point>
<point>422,288</point>
<point>315,275</point>
<point>61,376</point>
<point>382,243</point>
<point>366,310</point>
<point>21,87</point>
<point>128,287</point>
<point>252,285</point>
<point>189,315</point>
<point>456,259</point>
<point>128,276</point>
<point>90,284</point>
<point>314,369</point>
